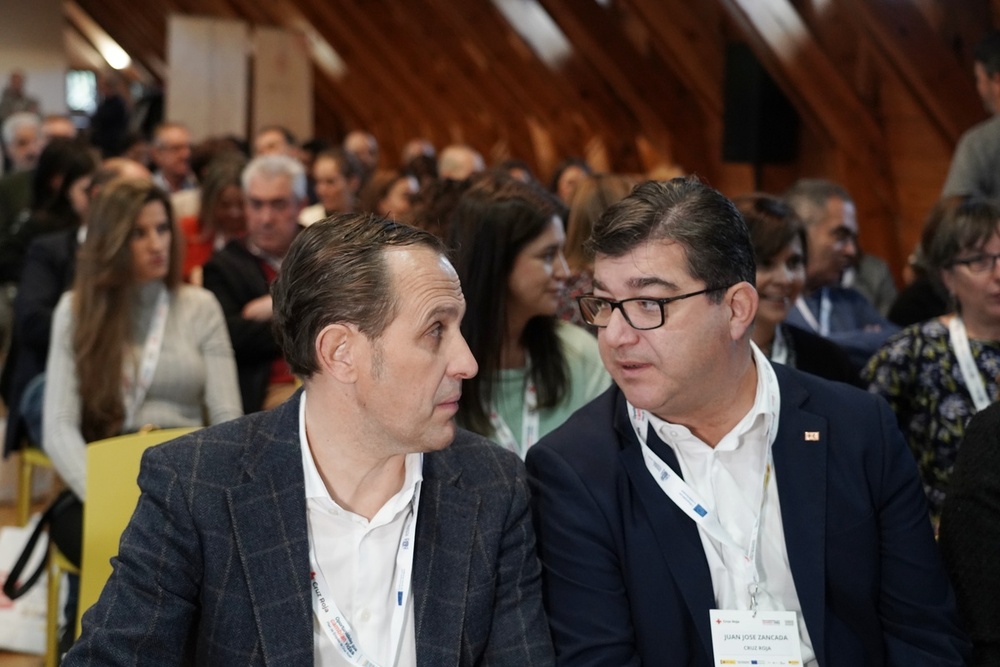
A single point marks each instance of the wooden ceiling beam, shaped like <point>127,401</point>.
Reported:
<point>663,117</point>
<point>922,61</point>
<point>686,41</point>
<point>442,91</point>
<point>369,79</point>
<point>447,70</point>
<point>498,51</point>
<point>787,50</point>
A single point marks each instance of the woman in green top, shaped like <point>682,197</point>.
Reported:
<point>534,370</point>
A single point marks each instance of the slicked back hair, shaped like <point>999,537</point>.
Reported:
<point>335,271</point>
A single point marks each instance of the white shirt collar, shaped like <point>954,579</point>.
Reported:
<point>766,407</point>
<point>316,488</point>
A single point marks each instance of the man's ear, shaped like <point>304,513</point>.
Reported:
<point>743,300</point>
<point>336,351</point>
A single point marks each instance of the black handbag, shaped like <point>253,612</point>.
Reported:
<point>65,509</point>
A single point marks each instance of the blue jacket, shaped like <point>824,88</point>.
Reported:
<point>625,576</point>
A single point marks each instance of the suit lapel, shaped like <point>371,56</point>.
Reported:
<point>441,563</point>
<point>800,455</point>
<point>269,524</point>
<point>676,534</point>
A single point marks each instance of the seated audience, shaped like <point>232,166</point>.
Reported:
<point>240,276</point>
<point>924,296</point>
<point>592,197</point>
<point>130,345</point>
<point>171,153</point>
<point>841,314</point>
<point>389,194</point>
<point>779,242</point>
<point>458,162</point>
<point>939,373</point>
<point>567,175</point>
<point>221,216</point>
<point>337,178</point>
<point>353,525</point>
<point>534,370</point>
<point>58,193</point>
<point>49,268</point>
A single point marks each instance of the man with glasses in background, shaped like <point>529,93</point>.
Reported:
<point>711,507</point>
<point>240,276</point>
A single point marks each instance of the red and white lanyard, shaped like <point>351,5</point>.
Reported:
<point>530,423</point>
<point>335,623</point>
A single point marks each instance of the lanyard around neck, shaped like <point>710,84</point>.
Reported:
<point>335,624</point>
<point>699,511</point>
<point>530,422</point>
<point>967,364</point>
<point>822,325</point>
<point>135,394</point>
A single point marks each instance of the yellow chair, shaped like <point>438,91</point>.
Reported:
<point>112,494</point>
<point>31,457</point>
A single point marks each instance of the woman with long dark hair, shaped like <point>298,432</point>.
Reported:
<point>534,370</point>
<point>131,346</point>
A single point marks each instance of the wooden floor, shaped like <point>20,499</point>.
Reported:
<point>7,518</point>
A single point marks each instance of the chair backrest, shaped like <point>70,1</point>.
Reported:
<point>112,494</point>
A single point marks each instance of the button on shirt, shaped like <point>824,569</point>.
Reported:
<point>730,478</point>
<point>358,560</point>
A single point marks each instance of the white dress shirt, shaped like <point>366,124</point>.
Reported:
<point>358,560</point>
<point>729,478</point>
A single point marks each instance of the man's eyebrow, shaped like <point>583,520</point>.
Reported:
<point>449,310</point>
<point>640,283</point>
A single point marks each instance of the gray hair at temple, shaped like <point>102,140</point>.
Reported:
<point>16,121</point>
<point>808,197</point>
<point>274,166</point>
<point>685,211</point>
<point>336,271</point>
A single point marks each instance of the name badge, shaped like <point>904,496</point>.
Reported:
<point>769,638</point>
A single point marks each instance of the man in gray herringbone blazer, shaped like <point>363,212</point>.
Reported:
<point>235,555</point>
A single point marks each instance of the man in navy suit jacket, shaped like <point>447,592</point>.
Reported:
<point>707,480</point>
<point>353,524</point>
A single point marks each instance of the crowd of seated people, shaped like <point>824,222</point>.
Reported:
<point>521,253</point>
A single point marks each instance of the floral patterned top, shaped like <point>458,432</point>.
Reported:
<point>917,372</point>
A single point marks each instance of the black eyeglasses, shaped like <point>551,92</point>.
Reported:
<point>641,313</point>
<point>978,263</point>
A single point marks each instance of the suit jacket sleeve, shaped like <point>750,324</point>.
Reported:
<point>147,612</point>
<point>583,585</point>
<point>252,340</point>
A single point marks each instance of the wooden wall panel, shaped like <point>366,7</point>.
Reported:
<point>883,87</point>
<point>208,71</point>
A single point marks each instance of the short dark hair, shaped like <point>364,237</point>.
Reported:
<point>491,224</point>
<point>772,225</point>
<point>987,52</point>
<point>686,211</point>
<point>288,135</point>
<point>335,271</point>
<point>964,225</point>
